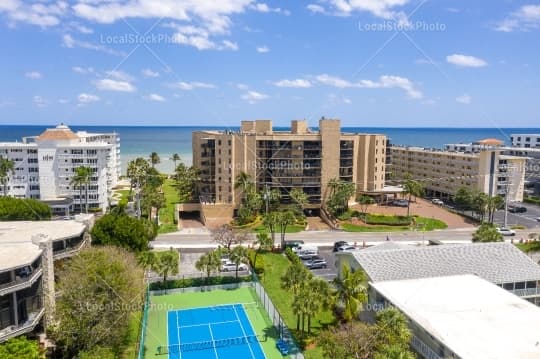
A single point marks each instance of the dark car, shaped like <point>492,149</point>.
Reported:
<point>293,244</point>
<point>517,209</point>
<point>339,244</point>
<point>316,264</point>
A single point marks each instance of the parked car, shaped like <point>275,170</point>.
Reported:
<point>506,231</point>
<point>293,244</point>
<point>437,202</point>
<point>517,209</point>
<point>401,203</point>
<point>346,248</point>
<point>231,267</point>
<point>537,219</point>
<point>308,257</point>
<point>316,264</point>
<point>305,249</point>
<point>339,244</point>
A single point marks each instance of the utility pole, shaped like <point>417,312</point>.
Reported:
<point>138,193</point>
<point>266,196</point>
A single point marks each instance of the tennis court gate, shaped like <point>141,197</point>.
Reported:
<point>277,320</point>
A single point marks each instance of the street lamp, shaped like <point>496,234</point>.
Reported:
<point>266,196</point>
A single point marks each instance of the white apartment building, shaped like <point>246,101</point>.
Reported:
<point>444,172</point>
<point>45,166</point>
<point>527,140</point>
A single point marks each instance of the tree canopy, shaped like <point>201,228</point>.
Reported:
<point>21,347</point>
<point>18,209</point>
<point>487,233</point>
<point>100,287</point>
<point>123,231</point>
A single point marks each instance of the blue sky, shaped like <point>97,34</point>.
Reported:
<point>396,63</point>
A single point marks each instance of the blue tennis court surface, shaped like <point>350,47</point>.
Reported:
<point>219,332</point>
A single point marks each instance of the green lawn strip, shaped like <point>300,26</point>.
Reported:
<point>529,247</point>
<point>166,214</point>
<point>156,329</point>
<point>430,224</point>
<point>294,228</point>
<point>349,227</point>
<point>130,346</point>
<point>275,266</point>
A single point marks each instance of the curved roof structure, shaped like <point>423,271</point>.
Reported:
<point>490,142</point>
<point>59,133</point>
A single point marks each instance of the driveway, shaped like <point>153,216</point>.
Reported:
<point>527,219</point>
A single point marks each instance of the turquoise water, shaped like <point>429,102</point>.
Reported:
<point>141,141</point>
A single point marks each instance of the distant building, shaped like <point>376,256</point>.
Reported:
<point>481,167</point>
<point>530,140</point>
<point>462,316</point>
<point>45,166</point>
<point>27,254</point>
<point>499,263</point>
<point>300,158</point>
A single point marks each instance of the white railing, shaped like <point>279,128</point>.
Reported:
<point>26,327</point>
<point>423,349</point>
<point>527,292</point>
<point>21,283</point>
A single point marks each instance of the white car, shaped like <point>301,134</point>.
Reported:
<point>506,231</point>
<point>231,267</point>
<point>346,248</point>
<point>437,201</point>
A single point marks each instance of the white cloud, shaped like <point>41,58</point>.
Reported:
<point>464,99</point>
<point>82,70</point>
<point>385,81</point>
<point>155,97</point>
<point>253,96</point>
<point>525,18</point>
<point>296,83</point>
<point>314,8</point>
<point>347,101</point>
<point>229,45</point>
<point>115,85</point>
<point>465,60</point>
<point>40,101</point>
<point>188,86</point>
<point>199,38</point>
<point>119,75</point>
<point>42,14</point>
<point>149,73</point>
<point>242,86</point>
<point>85,98</point>
<point>263,49</point>
<point>262,7</point>
<point>69,42</point>
<point>34,75</point>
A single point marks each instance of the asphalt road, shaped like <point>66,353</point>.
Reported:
<point>527,219</point>
<point>327,238</point>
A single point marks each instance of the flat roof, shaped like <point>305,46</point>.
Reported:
<point>470,316</point>
<point>16,246</point>
<point>498,262</point>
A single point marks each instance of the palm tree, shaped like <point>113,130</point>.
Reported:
<point>175,158</point>
<point>271,221</point>
<point>154,159</point>
<point>285,218</point>
<point>493,204</point>
<point>333,185</point>
<point>263,242</point>
<point>168,264</point>
<point>209,263</point>
<point>319,297</point>
<point>243,181</point>
<point>293,280</point>
<point>7,168</point>
<point>393,328</point>
<point>487,233</point>
<point>299,197</point>
<point>238,255</point>
<point>80,179</point>
<point>148,260</point>
<point>351,291</point>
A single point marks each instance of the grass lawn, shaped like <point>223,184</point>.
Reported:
<point>294,228</point>
<point>166,214</point>
<point>156,329</point>
<point>275,266</point>
<point>422,223</point>
<point>130,350</point>
<point>529,247</point>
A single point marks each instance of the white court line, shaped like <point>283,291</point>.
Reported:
<point>178,334</point>
<point>212,336</point>
<point>244,332</point>
<point>201,325</point>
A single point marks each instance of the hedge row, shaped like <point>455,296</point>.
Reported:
<point>17,209</point>
<point>379,219</point>
<point>197,282</point>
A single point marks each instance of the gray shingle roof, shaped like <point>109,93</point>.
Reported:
<point>495,262</point>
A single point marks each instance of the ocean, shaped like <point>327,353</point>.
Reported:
<point>141,141</point>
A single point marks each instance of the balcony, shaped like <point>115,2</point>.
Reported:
<point>70,249</point>
<point>28,326</point>
<point>21,282</point>
<point>527,292</point>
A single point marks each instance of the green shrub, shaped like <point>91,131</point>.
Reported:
<point>259,266</point>
<point>197,282</point>
<point>345,216</point>
<point>378,219</point>
<point>291,255</point>
<point>16,209</point>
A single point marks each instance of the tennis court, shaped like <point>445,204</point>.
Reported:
<point>217,332</point>
<point>176,319</point>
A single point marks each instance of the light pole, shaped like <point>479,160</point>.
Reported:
<point>266,196</point>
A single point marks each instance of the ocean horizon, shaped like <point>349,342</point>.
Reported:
<point>140,141</point>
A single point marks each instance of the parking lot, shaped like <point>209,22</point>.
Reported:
<point>330,272</point>
<point>527,219</point>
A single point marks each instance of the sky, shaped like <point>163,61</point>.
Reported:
<point>370,63</point>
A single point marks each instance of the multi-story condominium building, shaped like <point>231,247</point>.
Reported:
<point>527,140</point>
<point>299,158</point>
<point>45,166</point>
<point>444,172</point>
<point>27,254</point>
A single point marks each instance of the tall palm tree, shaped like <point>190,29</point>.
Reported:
<point>154,159</point>
<point>351,291</point>
<point>175,158</point>
<point>168,264</point>
<point>239,255</point>
<point>7,168</point>
<point>412,188</point>
<point>80,179</point>
<point>243,181</point>
<point>293,280</point>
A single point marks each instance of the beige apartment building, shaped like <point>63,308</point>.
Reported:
<point>299,158</point>
<point>444,172</point>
